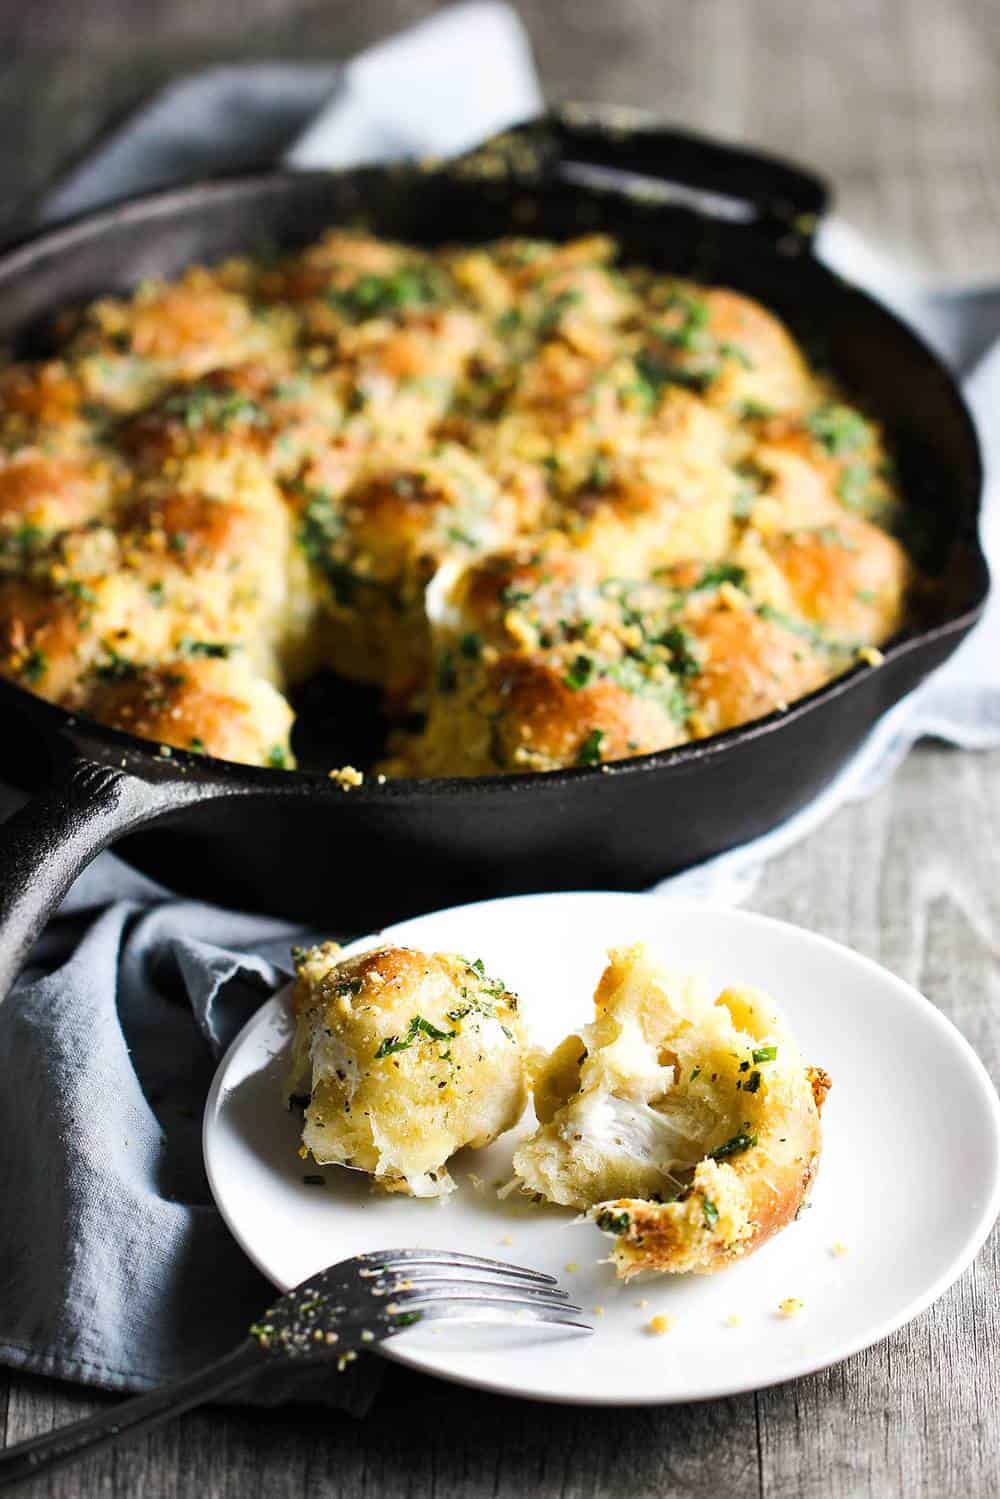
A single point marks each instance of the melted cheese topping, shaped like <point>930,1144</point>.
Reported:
<point>566,511</point>
<point>688,1124</point>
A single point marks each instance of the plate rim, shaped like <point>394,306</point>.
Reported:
<point>803,1365</point>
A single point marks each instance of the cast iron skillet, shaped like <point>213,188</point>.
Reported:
<point>297,844</point>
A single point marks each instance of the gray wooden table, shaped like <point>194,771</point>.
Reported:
<point>898,101</point>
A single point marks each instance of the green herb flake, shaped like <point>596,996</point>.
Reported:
<point>590,750</point>
<point>378,296</point>
<point>116,668</point>
<point>612,1223</point>
<point>854,485</point>
<point>765,1053</point>
<point>418,1026</point>
<point>407,1319</point>
<point>580,672</point>
<point>736,1145</point>
<point>220,410</point>
<point>709,1212</point>
<point>839,429</point>
<point>36,664</point>
<point>718,573</point>
<point>683,661</point>
<point>277,757</point>
<point>213,650</point>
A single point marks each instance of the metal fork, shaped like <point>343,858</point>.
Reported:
<point>331,1317</point>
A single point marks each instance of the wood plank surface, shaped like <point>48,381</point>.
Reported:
<point>898,101</point>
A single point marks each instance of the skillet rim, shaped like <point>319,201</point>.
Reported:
<point>143,757</point>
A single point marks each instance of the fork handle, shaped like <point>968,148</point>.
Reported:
<point>26,1460</point>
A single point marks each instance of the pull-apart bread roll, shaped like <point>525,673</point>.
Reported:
<point>687,1125</point>
<point>404,1058</point>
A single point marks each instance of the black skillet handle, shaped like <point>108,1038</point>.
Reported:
<point>780,199</point>
<point>51,839</point>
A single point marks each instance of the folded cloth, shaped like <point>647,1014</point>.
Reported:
<point>116,1267</point>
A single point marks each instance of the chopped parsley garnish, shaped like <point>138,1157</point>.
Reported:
<point>418,1026</point>
<point>752,1083</point>
<point>709,1212</point>
<point>601,472</point>
<point>736,1145</point>
<point>718,573</point>
<point>320,526</point>
<point>580,672</point>
<point>509,321</point>
<point>754,411</point>
<point>277,757</point>
<point>375,296</point>
<point>552,315</point>
<point>196,745</point>
<point>116,668</point>
<point>765,1053</point>
<point>79,591</point>
<point>590,749</point>
<point>683,661</point>
<point>23,538</point>
<point>407,1319</point>
<point>215,650</point>
<point>653,374</point>
<point>839,429</point>
<point>854,485</point>
<point>36,664</point>
<point>613,1223</point>
<point>352,986</point>
<point>199,407</point>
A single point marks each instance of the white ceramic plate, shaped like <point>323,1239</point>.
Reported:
<point>909,1183</point>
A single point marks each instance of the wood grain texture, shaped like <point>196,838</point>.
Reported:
<point>899,102</point>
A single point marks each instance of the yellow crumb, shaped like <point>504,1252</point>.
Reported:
<point>659,1324</point>
<point>598,1311</point>
<point>733,1321</point>
<point>870,656</point>
<point>506,1239</point>
<point>571,1265</point>
<point>643,1301</point>
<point>347,777</point>
<point>791,1306</point>
<point>839,1249</point>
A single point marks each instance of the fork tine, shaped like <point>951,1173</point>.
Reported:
<point>389,1259</point>
<point>459,1293</point>
<point>509,1313</point>
<point>436,1285</point>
